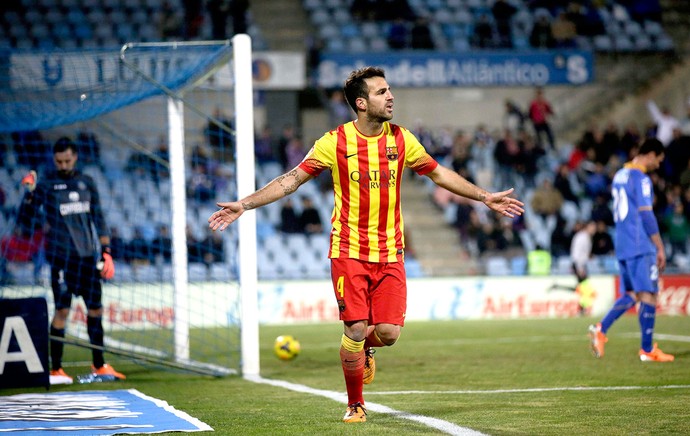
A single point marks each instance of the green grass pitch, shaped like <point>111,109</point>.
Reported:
<point>517,377</point>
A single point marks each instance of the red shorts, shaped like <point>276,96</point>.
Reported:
<point>373,291</point>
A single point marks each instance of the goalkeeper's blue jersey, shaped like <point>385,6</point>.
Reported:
<point>632,192</point>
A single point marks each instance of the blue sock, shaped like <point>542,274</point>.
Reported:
<point>647,315</point>
<point>621,306</point>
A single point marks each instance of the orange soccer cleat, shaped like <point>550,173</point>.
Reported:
<point>60,377</point>
<point>656,355</point>
<point>355,413</point>
<point>107,370</point>
<point>597,340</point>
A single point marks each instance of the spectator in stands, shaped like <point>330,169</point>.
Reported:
<point>420,35</point>
<point>530,155</point>
<point>315,46</point>
<point>4,210</point>
<point>503,13</point>
<point>194,249</point>
<point>630,140</point>
<point>399,34</point>
<point>289,219</point>
<point>139,250</point>
<point>118,246</point>
<point>160,166</point>
<point>642,10</point>
<point>564,184</point>
<point>88,147</point>
<point>684,121</point>
<point>264,146</point>
<point>219,11</point>
<point>665,122</point>
<point>596,181</point>
<point>286,136</point>
<point>540,111</point>
<point>239,10</point>
<point>162,245</point>
<point>507,154</point>
<point>295,151</point>
<point>338,110</point>
<point>513,116</point>
<point>170,23</point>
<point>561,236</point>
<point>539,261</point>
<point>212,249</point>
<point>587,20</point>
<point>677,230</point>
<point>31,149</point>
<point>201,156</point>
<point>677,155</point>
<point>611,144</point>
<point>546,200</point>
<point>684,178</point>
<point>310,219</point>
<point>4,149</point>
<point>140,165</point>
<point>483,34</point>
<point>22,246</point>
<point>602,242</point>
<point>541,35</point>
<point>219,137</point>
<point>490,238</point>
<point>193,18</point>
<point>201,186</point>
<point>564,31</point>
<point>460,153</point>
<point>364,10</point>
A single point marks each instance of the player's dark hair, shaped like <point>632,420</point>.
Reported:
<point>355,86</point>
<point>651,145</point>
<point>64,144</point>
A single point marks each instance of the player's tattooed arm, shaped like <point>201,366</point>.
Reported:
<point>290,181</point>
<point>248,205</point>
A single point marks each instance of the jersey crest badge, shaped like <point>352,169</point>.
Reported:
<point>392,153</point>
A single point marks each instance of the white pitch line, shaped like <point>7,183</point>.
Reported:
<point>531,390</point>
<point>677,338</point>
<point>438,424</point>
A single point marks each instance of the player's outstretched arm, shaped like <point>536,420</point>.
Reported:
<point>280,187</point>
<point>500,202</point>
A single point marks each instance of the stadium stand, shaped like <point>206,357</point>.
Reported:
<point>452,24</point>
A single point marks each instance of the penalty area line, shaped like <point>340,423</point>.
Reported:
<point>438,424</point>
<point>531,390</point>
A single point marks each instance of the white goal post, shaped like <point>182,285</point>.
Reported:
<point>247,257</point>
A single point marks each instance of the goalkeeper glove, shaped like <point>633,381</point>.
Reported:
<point>106,265</point>
<point>29,180</point>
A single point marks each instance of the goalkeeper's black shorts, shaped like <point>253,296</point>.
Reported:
<point>75,276</point>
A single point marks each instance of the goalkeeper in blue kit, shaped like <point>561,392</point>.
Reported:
<point>69,202</point>
<point>639,250</point>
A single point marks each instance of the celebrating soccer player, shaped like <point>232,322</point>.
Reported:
<point>639,249</point>
<point>366,158</point>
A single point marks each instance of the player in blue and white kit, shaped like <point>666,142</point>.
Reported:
<point>639,250</point>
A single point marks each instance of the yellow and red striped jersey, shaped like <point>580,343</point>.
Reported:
<point>367,223</point>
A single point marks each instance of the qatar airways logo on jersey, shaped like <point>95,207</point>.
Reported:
<point>374,179</point>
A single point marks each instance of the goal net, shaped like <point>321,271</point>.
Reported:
<point>161,138</point>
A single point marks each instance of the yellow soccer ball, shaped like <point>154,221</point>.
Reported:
<point>286,347</point>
